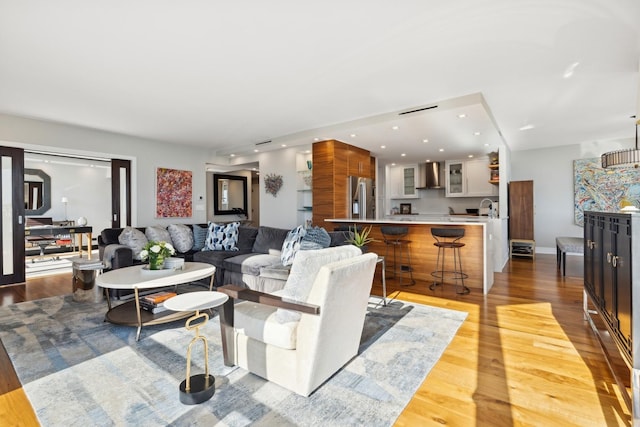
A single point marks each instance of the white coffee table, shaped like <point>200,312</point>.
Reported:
<point>200,387</point>
<point>138,278</point>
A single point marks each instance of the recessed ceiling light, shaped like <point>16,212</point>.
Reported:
<point>403,154</point>
<point>232,155</point>
<point>462,116</point>
<point>383,146</point>
<point>283,145</point>
<point>476,133</point>
<point>527,127</point>
<point>470,155</point>
<point>486,144</point>
<point>393,164</point>
<point>353,135</point>
<point>425,140</point>
<point>441,150</point>
<point>316,139</point>
<point>428,160</point>
<point>395,127</point>
<point>255,150</point>
<point>308,151</point>
<point>568,72</point>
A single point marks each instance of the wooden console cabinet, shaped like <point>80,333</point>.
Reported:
<point>610,282</point>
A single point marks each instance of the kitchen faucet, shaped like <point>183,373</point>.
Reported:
<point>490,207</point>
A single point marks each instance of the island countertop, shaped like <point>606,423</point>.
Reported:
<point>476,254</point>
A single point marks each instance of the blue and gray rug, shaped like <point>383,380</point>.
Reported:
<point>78,370</point>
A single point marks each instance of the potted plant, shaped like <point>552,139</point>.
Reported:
<point>360,237</point>
<point>156,252</point>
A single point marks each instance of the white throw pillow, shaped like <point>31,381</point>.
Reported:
<point>304,271</point>
<point>181,236</point>
<point>291,245</point>
<point>133,238</point>
<point>222,237</point>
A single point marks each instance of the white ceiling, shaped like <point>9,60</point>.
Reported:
<point>228,75</point>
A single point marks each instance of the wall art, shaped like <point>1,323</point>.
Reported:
<point>272,183</point>
<point>173,193</point>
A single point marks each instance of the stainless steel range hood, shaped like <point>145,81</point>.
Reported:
<point>429,176</point>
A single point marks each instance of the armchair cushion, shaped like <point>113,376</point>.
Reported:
<point>259,322</point>
<point>303,274</point>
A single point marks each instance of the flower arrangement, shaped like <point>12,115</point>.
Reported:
<point>156,252</point>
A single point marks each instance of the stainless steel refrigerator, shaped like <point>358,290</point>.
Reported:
<point>361,200</point>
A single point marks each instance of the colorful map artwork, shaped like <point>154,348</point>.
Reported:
<point>598,189</point>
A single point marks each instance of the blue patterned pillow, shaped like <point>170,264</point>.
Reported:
<point>222,237</point>
<point>199,237</point>
<point>291,245</point>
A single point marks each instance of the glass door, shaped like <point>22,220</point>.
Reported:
<point>13,205</point>
<point>455,181</point>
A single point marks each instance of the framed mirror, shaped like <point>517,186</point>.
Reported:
<point>37,192</point>
<point>229,194</point>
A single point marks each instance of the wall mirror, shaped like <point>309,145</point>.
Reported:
<point>229,194</point>
<point>37,192</point>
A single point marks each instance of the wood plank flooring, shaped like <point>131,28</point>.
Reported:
<point>523,357</point>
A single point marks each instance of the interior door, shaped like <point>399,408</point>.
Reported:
<point>12,268</point>
<point>120,193</point>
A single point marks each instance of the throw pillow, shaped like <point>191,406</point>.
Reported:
<point>157,233</point>
<point>181,236</point>
<point>199,237</point>
<point>133,238</point>
<point>303,274</point>
<point>222,237</point>
<point>291,245</point>
<point>315,238</point>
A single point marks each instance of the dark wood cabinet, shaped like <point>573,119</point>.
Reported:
<point>610,277</point>
<point>521,210</point>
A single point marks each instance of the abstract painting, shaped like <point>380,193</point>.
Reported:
<point>173,193</point>
<point>604,190</point>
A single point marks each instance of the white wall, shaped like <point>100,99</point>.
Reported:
<point>551,170</point>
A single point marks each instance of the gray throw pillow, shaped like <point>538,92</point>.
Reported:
<point>181,236</point>
<point>133,238</point>
<point>315,238</point>
<point>156,233</point>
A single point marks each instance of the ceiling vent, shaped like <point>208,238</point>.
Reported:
<point>263,142</point>
<point>417,110</point>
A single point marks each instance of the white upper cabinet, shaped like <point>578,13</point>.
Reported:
<point>402,182</point>
<point>469,178</point>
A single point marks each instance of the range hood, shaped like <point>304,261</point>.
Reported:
<point>429,176</point>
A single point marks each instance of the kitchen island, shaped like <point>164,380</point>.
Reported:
<point>477,255</point>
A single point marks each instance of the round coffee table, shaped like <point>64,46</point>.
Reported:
<point>201,387</point>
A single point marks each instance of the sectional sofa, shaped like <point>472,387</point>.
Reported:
<point>255,263</point>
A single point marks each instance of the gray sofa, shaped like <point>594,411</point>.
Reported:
<point>256,264</point>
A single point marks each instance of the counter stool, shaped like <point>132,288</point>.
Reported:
<point>449,238</point>
<point>400,262</point>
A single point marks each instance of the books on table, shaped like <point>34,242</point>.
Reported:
<point>155,302</point>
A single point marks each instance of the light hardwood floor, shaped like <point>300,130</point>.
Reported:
<point>523,357</point>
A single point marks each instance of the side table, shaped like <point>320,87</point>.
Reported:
<point>201,387</point>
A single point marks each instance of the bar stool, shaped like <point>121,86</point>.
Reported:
<point>449,238</point>
<point>400,264</point>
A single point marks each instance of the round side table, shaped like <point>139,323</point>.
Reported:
<point>201,387</point>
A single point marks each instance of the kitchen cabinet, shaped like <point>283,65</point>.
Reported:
<point>402,182</point>
<point>469,178</point>
<point>610,278</point>
<point>331,167</point>
<point>359,162</point>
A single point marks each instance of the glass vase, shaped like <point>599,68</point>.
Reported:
<point>156,262</point>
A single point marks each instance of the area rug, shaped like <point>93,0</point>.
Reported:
<point>77,369</point>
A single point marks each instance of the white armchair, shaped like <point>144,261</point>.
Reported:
<point>301,335</point>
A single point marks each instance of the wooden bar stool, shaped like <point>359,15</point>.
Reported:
<point>400,261</point>
<point>449,238</point>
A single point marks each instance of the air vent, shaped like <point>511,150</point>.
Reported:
<point>263,142</point>
<point>417,110</point>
